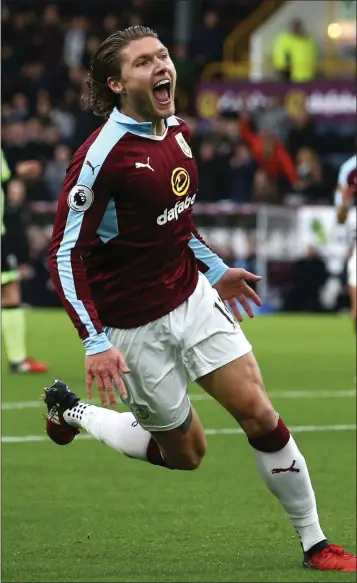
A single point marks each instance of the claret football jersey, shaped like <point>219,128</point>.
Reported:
<point>124,250</point>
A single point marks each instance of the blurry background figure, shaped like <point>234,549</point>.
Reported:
<point>310,180</point>
<point>185,67</point>
<point>56,171</point>
<point>302,132</point>
<point>295,54</point>
<point>270,154</point>
<point>264,188</point>
<point>207,42</point>
<point>309,274</point>
<point>273,118</point>
<point>14,256</point>
<point>75,41</point>
<point>243,168</point>
<point>345,198</point>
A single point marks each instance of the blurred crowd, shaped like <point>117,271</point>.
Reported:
<point>265,157</point>
<point>269,157</point>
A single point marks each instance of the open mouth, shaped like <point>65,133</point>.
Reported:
<point>161,91</point>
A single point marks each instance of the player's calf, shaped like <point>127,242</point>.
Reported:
<point>185,446</point>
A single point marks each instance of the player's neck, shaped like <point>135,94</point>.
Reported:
<point>157,125</point>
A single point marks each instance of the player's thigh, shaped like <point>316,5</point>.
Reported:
<point>219,357</point>
<point>238,386</point>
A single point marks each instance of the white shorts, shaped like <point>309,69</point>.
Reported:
<point>195,339</point>
<point>351,269</point>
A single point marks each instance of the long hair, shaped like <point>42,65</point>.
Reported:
<point>105,62</point>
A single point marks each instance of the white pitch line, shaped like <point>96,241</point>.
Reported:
<point>291,395</point>
<point>226,431</point>
<point>10,406</point>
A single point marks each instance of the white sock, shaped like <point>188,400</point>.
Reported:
<point>293,489</point>
<point>118,430</point>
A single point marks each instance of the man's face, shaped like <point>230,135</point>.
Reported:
<point>148,78</point>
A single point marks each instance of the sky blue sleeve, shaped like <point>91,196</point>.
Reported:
<point>213,266</point>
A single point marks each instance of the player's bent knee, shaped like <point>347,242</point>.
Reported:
<point>185,446</point>
<point>262,421</point>
<point>188,461</point>
<point>191,455</point>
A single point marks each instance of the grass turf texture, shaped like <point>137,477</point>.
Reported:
<point>86,513</point>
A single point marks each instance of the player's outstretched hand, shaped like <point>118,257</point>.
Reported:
<point>106,368</point>
<point>233,288</point>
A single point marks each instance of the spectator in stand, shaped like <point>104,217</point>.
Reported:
<point>39,290</point>
<point>265,188</point>
<point>92,44</point>
<point>64,119</point>
<point>20,39</point>
<point>16,146</point>
<point>295,54</point>
<point>269,153</point>
<point>185,68</point>
<point>20,108</point>
<point>211,172</point>
<point>55,171</point>
<point>49,36</point>
<point>75,41</point>
<point>242,168</point>
<point>310,182</point>
<point>33,78</point>
<point>301,133</point>
<point>35,131</point>
<point>136,13</point>
<point>273,118</point>
<point>43,108</point>
<point>110,24</point>
<point>207,43</point>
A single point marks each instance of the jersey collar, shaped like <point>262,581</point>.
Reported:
<point>142,127</point>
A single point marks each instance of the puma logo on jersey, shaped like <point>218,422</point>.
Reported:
<point>174,213</point>
<point>88,163</point>
<point>142,165</point>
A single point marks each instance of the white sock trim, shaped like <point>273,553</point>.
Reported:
<point>74,415</point>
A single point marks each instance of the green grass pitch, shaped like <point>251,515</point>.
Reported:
<point>86,513</point>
